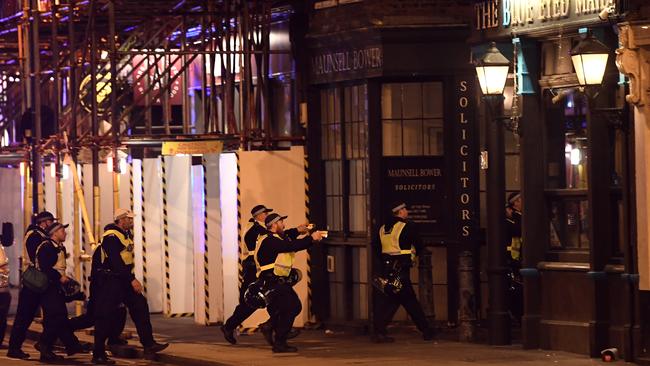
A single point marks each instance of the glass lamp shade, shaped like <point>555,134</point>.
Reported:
<point>590,68</point>
<point>589,60</point>
<point>492,79</point>
<point>492,71</point>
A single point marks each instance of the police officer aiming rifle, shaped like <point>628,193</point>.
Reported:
<point>256,228</point>
<point>274,256</point>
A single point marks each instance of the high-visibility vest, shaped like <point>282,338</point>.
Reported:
<point>515,248</point>
<point>27,261</point>
<point>126,253</point>
<point>283,261</point>
<point>246,253</point>
<point>390,241</point>
<point>60,265</point>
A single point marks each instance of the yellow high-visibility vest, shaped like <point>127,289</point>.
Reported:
<point>515,248</point>
<point>126,253</point>
<point>283,261</point>
<point>245,252</point>
<point>390,240</point>
<point>27,261</point>
<point>60,265</point>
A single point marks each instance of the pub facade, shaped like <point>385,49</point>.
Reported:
<point>576,172</point>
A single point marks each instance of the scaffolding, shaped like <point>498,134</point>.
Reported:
<point>84,81</point>
<point>132,73</point>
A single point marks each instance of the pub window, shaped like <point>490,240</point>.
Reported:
<point>344,126</point>
<point>412,119</point>
<point>568,203</point>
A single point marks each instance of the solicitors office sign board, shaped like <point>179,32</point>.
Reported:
<point>419,182</point>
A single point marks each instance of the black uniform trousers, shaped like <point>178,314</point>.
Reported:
<point>386,306</point>
<point>5,301</point>
<point>28,302</point>
<point>243,311</point>
<point>515,290</point>
<point>55,319</point>
<point>284,306</point>
<point>87,319</point>
<point>111,292</point>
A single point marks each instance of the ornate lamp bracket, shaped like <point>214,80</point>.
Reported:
<point>633,60</point>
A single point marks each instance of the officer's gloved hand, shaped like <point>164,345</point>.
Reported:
<point>316,236</point>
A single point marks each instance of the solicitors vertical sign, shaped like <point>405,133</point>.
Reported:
<point>467,184</point>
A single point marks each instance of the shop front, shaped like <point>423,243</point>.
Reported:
<point>576,176</point>
<point>391,117</point>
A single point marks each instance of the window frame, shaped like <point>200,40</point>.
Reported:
<point>359,153</point>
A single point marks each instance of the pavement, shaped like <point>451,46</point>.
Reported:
<point>192,344</point>
<point>198,345</point>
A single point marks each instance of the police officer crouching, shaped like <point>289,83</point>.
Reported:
<point>274,256</point>
<point>115,283</point>
<point>400,243</point>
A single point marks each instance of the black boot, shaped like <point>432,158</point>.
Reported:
<point>267,332</point>
<point>18,354</point>
<point>229,335</point>
<point>154,348</point>
<point>51,357</point>
<point>102,360</point>
<point>284,348</point>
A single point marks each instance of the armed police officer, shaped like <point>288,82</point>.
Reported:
<point>400,242</point>
<point>274,256</point>
<point>243,311</point>
<point>115,283</point>
<point>28,300</point>
<point>50,259</point>
<point>249,271</point>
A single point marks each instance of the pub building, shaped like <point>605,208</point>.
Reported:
<point>391,118</point>
<point>572,155</point>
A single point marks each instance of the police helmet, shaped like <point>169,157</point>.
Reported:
<point>72,290</point>
<point>255,297</point>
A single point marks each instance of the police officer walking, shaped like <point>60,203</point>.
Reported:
<point>50,259</point>
<point>274,257</point>
<point>87,319</point>
<point>115,283</point>
<point>400,242</point>
<point>28,300</point>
